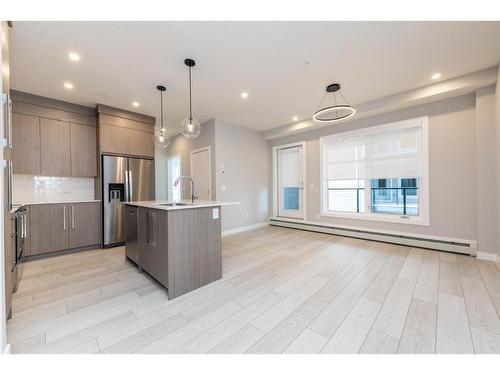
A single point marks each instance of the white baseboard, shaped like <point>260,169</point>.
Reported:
<point>486,256</point>
<point>7,349</point>
<point>460,246</point>
<point>244,229</point>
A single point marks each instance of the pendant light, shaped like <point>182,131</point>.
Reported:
<point>161,138</point>
<point>190,127</point>
<point>334,112</point>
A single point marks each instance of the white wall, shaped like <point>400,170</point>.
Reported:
<point>452,168</point>
<point>497,157</point>
<point>486,195</point>
<point>241,169</point>
<point>179,145</point>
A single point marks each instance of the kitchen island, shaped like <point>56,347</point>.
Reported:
<point>178,244</point>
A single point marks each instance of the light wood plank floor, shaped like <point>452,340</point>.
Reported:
<point>283,291</point>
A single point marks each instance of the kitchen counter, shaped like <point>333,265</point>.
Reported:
<point>179,246</point>
<point>185,204</point>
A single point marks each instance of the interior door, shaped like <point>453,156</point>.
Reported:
<point>290,182</point>
<point>201,173</point>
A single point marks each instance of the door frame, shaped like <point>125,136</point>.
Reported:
<point>180,164</point>
<point>201,149</point>
<point>304,178</point>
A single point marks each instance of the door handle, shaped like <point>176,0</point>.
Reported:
<point>72,217</point>
<point>7,116</point>
<point>9,122</point>
<point>148,225</point>
<point>131,191</point>
<point>64,217</point>
<point>9,187</point>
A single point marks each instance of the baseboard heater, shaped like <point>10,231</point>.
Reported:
<point>461,247</point>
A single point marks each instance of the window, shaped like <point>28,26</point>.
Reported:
<point>395,196</point>
<point>377,173</point>
<point>173,172</point>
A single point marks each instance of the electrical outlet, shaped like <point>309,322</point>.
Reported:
<point>215,213</point>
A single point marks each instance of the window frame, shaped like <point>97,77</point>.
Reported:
<point>423,183</point>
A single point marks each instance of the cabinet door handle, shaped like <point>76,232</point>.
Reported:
<point>147,228</point>
<point>72,217</point>
<point>151,233</point>
<point>64,217</point>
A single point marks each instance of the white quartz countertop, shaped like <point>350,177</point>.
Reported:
<point>162,205</point>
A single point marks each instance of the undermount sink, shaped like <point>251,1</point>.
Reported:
<point>175,204</point>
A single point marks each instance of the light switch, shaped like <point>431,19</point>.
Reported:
<point>215,213</point>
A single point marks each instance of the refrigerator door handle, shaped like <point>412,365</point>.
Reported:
<point>131,191</point>
<point>127,190</point>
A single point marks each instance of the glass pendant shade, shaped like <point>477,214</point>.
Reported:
<point>190,128</point>
<point>161,138</point>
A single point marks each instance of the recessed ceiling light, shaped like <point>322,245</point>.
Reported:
<point>68,85</point>
<point>244,95</point>
<point>295,118</point>
<point>135,104</point>
<point>436,76</point>
<point>73,56</point>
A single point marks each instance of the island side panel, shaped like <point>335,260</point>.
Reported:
<point>194,249</point>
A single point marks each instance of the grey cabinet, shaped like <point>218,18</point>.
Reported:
<point>153,241</point>
<point>26,144</point>
<point>55,148</point>
<point>49,228</point>
<point>131,240</point>
<point>63,226</point>
<point>83,151</point>
<point>84,224</point>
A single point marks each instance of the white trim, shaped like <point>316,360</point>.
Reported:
<point>486,256</point>
<point>461,246</point>
<point>304,177</point>
<point>209,149</point>
<point>7,349</point>
<point>244,229</point>
<point>424,216</point>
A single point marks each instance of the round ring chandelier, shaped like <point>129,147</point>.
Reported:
<point>334,112</point>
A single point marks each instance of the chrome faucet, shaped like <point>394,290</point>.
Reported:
<point>192,186</point>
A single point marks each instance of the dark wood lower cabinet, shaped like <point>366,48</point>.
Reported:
<point>152,234</point>
<point>49,228</point>
<point>84,224</point>
<point>131,240</point>
<point>63,226</point>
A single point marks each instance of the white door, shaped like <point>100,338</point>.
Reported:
<point>290,182</point>
<point>201,173</point>
<point>173,172</point>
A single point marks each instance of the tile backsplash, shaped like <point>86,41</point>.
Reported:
<point>38,189</point>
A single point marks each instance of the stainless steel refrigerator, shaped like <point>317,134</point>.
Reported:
<point>124,179</point>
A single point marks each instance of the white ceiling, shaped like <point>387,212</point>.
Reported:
<point>124,61</point>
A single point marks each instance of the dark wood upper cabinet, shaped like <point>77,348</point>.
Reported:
<point>26,144</point>
<point>55,148</point>
<point>83,151</point>
<point>84,224</point>
<point>141,143</point>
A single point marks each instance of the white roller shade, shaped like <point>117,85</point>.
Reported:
<point>387,151</point>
